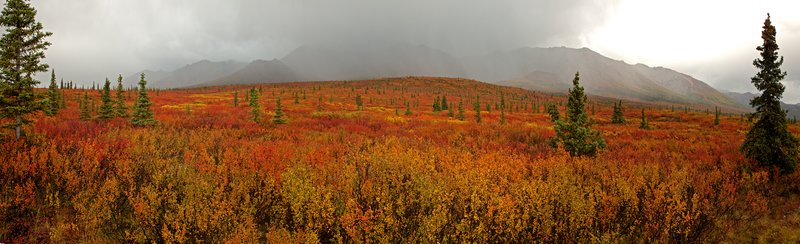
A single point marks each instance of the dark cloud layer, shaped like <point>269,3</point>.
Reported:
<point>94,39</point>
<point>97,38</point>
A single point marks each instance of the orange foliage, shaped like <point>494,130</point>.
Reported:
<point>207,172</point>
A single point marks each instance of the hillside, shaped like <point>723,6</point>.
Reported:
<point>190,75</point>
<point>372,61</point>
<point>552,69</point>
<point>209,172</point>
<point>542,69</point>
<point>792,110</point>
<point>259,71</point>
<point>150,75</point>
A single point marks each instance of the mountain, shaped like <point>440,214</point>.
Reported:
<point>544,69</point>
<point>259,71</point>
<point>133,80</point>
<point>193,74</point>
<point>372,60</point>
<point>552,69</point>
<point>792,110</point>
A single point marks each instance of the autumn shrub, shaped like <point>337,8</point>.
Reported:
<point>215,176</point>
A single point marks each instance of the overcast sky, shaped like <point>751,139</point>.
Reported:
<point>712,40</point>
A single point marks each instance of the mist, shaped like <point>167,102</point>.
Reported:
<point>95,39</point>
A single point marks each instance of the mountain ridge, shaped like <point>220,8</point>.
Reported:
<point>743,98</point>
<point>546,69</point>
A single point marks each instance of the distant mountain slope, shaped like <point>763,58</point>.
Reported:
<point>196,73</point>
<point>793,110</point>
<point>259,71</point>
<point>552,69</point>
<point>545,69</point>
<point>371,61</point>
<point>149,75</point>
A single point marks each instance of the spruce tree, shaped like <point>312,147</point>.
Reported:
<point>53,95</point>
<point>84,108</point>
<point>553,111</point>
<point>444,105</point>
<point>716,116</point>
<point>618,117</point>
<point>502,102</point>
<point>22,49</point>
<point>255,107</point>
<point>575,133</point>
<point>359,103</point>
<point>235,99</point>
<point>120,108</point>
<point>478,109</point>
<point>319,104</point>
<point>107,105</point>
<point>251,96</point>
<point>62,103</point>
<point>279,118</point>
<point>91,105</point>
<point>769,142</point>
<point>450,111</point>
<point>502,116</point>
<point>460,110</point>
<point>408,108</point>
<point>142,114</point>
<point>644,124</point>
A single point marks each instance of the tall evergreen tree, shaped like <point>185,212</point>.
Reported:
<point>53,96</point>
<point>142,114</point>
<point>85,114</point>
<point>618,117</point>
<point>408,108</point>
<point>279,118</point>
<point>444,103</point>
<point>502,116</point>
<point>575,133</point>
<point>644,124</point>
<point>769,142</point>
<point>716,116</point>
<point>255,107</point>
<point>319,104</point>
<point>553,111</point>
<point>359,102</point>
<point>460,111</point>
<point>478,109</point>
<point>106,104</point>
<point>450,111</point>
<point>21,52</point>
<point>235,99</point>
<point>120,108</point>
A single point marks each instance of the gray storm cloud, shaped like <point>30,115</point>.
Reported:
<point>97,38</point>
<point>94,39</point>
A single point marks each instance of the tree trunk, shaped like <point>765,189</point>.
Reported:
<point>18,129</point>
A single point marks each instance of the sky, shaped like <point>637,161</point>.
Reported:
<point>712,40</point>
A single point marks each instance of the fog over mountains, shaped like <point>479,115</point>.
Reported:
<point>792,110</point>
<point>543,69</point>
